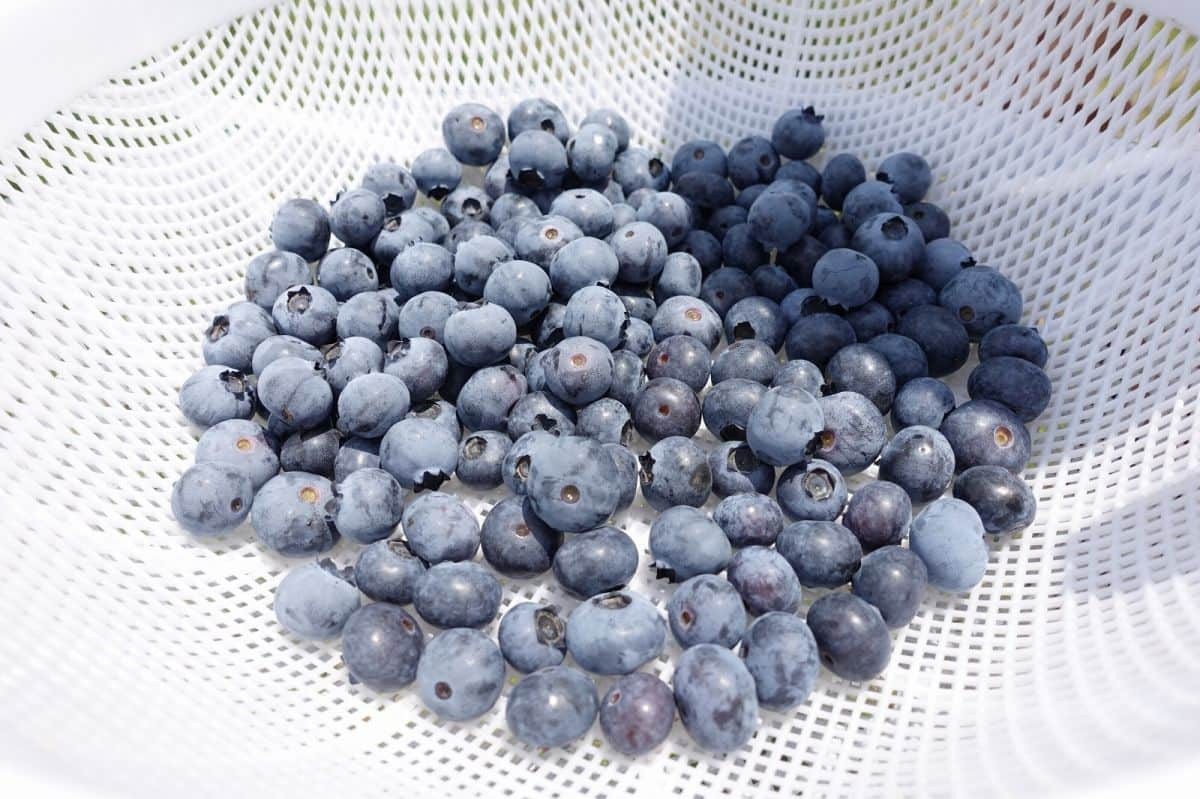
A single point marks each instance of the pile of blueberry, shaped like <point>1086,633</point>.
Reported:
<point>521,332</point>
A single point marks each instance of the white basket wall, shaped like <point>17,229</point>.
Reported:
<point>1066,141</point>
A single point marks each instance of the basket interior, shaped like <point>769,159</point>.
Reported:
<point>1064,136</point>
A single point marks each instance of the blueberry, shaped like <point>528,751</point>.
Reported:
<point>439,411</point>
<point>371,315</point>
<point>817,337</point>
<point>704,190</point>
<point>401,233</point>
<point>592,152</point>
<point>509,207</point>
<point>981,298</point>
<point>457,594</point>
<point>476,260</point>
<point>479,334</point>
<point>752,160</point>
<point>741,248</point>
<point>764,580</point>
<point>932,220</point>
<point>726,288</point>
<point>948,537</point>
<point>706,609</point>
<point>637,168</point>
<point>436,172</point>
<point>683,358</point>
<point>985,433</point>
<point>370,404</point>
<point>481,457</point>
<point>583,263</point>
<point>802,171</point>
<point>473,133</point>
<point>314,601</point>
<point>675,472</point>
<point>597,313</point>
<point>666,407</point>
<point>537,160</point>
<point>312,451</point>
<point>749,519</point>
<point>1016,383</point>
<point>893,580</point>
<point>595,562</point>
<point>308,313</point>
<point>783,424</point>
<point>699,155</point>
<point>532,636</point>
<point>684,542</point>
<point>854,432</point>
<point>277,347</point>
<point>615,633</point>
<point>420,453</point>
<point>467,209</point>
<point>780,653</point>
<point>579,370</point>
<point>852,638</point>
<point>736,470</point>
<point>798,133</point>
<point>629,376</point>
<point>846,278</point>
<point>515,469</point>
<point>552,706</point>
<point>572,484</point>
<point>486,400</point>
<point>393,184</point>
<point>515,541</point>
<point>920,460</point>
<point>242,444</point>
<point>355,454</point>
<point>892,242</point>
<point>861,369</point>
<point>497,181</point>
<point>942,261</point>
<point>639,196</point>
<point>345,272</point>
<point>623,213</point>
<point>381,646</point>
<point>638,338</point>
<point>439,527</point>
<point>540,411</point>
<point>812,490</point>
<point>878,514</point>
<point>779,219</point>
<point>681,277</point>
<point>728,405</point>
<point>420,268</point>
<point>1004,501</point>
<point>939,335</point>
<point>271,273</point>
<point>705,247</point>
<point>536,113</point>
<point>800,260</point>
<point>669,213</point>
<point>866,200</point>
<point>539,240</point>
<point>420,362</point>
<point>841,174</point>
<point>1015,341</point>
<point>637,713</point>
<point>716,697</point>
<point>211,498</point>
<point>289,514</point>
<point>922,401</point>
<point>823,553</point>
<point>756,318</point>
<point>901,297</point>
<point>909,175</point>
<point>773,282</point>
<point>641,251</point>
<point>748,359</point>
<point>870,320</point>
<point>626,464</point>
<point>687,316</point>
<point>800,373</point>
<point>605,420</point>
<point>904,356</point>
<point>460,674</point>
<point>388,571</point>
<point>357,217</point>
<point>721,220</point>
<point>296,391</point>
<point>590,210</point>
<point>366,505</point>
<point>302,227</point>
<point>349,359</point>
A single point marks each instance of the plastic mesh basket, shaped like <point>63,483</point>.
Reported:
<point>1066,142</point>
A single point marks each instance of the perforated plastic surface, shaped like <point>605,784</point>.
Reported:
<point>1066,142</point>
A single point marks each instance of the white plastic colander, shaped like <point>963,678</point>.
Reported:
<point>1065,136</point>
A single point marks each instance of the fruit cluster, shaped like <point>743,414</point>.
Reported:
<point>519,332</point>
